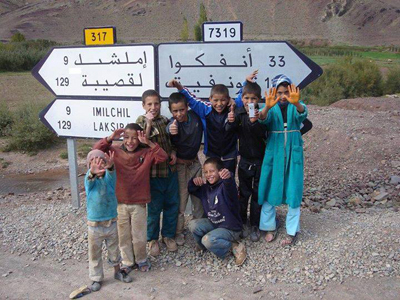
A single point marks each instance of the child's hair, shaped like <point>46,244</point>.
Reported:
<point>215,161</point>
<point>252,88</point>
<point>219,89</point>
<point>133,126</point>
<point>284,84</point>
<point>150,93</point>
<point>175,98</point>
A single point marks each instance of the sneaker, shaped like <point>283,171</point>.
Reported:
<point>245,231</point>
<point>170,243</point>
<point>96,286</point>
<point>255,234</point>
<point>121,275</point>
<point>154,248</point>
<point>180,239</point>
<point>239,251</point>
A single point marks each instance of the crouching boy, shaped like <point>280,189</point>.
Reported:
<point>102,216</point>
<point>220,231</point>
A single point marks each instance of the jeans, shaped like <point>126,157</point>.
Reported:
<point>209,236</point>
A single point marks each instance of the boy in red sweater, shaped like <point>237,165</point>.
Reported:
<point>133,161</point>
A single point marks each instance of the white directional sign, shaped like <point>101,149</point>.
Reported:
<point>199,66</point>
<point>107,71</point>
<point>90,118</point>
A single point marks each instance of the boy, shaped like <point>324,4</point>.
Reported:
<point>252,135</point>
<point>164,178</point>
<point>133,161</point>
<point>281,179</point>
<point>102,217</point>
<point>221,230</point>
<point>186,132</point>
<point>217,142</point>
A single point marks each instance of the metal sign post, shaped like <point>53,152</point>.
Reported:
<point>73,173</point>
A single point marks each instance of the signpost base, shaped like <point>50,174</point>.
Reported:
<point>73,173</point>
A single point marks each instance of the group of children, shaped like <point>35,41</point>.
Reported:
<point>157,166</point>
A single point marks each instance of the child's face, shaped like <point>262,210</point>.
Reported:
<point>152,104</point>
<point>249,98</point>
<point>179,111</point>
<point>131,141</point>
<point>219,102</point>
<point>281,91</point>
<point>211,173</point>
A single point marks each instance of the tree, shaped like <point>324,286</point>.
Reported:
<point>197,27</point>
<point>185,30</point>
<point>18,37</point>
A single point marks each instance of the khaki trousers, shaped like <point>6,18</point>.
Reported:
<point>96,236</point>
<point>185,173</point>
<point>132,231</point>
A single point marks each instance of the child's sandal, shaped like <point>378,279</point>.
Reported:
<point>274,232</point>
<point>144,266</point>
<point>290,240</point>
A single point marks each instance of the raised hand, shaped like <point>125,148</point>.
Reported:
<point>110,160</point>
<point>252,77</point>
<point>117,134</point>
<point>149,116</point>
<point>95,166</point>
<point>173,128</point>
<point>224,174</point>
<point>198,181</point>
<point>143,138</point>
<point>175,83</point>
<point>270,98</point>
<point>231,115</point>
<point>294,94</point>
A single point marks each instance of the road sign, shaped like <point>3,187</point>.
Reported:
<point>199,66</point>
<point>89,118</point>
<point>100,36</point>
<point>106,71</point>
<point>222,31</point>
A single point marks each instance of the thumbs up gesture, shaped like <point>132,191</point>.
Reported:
<point>231,115</point>
<point>173,128</point>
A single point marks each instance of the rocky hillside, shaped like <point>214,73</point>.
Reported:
<point>356,22</point>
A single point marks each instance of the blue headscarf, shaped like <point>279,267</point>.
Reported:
<point>278,79</point>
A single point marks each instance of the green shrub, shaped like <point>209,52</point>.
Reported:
<point>83,150</point>
<point>28,132</point>
<point>64,155</point>
<point>392,84</point>
<point>185,30</point>
<point>18,37</point>
<point>348,79</point>
<point>6,119</point>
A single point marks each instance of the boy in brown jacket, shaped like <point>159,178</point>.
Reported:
<point>133,161</point>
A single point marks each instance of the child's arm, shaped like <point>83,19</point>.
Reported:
<point>270,100</point>
<point>200,107</point>
<point>232,122</point>
<point>105,144</point>
<point>257,128</point>
<point>195,186</point>
<point>294,98</point>
<point>89,181</point>
<point>306,126</point>
<point>158,155</point>
<point>110,175</point>
<point>229,183</point>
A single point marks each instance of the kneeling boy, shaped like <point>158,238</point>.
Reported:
<point>221,230</point>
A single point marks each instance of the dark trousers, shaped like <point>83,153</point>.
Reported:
<point>249,176</point>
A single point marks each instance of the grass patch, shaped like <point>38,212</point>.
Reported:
<point>84,149</point>
<point>64,155</point>
<point>6,119</point>
<point>28,133</point>
<point>350,78</point>
<point>392,85</point>
<point>4,163</point>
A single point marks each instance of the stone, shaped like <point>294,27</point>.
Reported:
<point>355,201</point>
<point>394,179</point>
<point>381,196</point>
<point>331,202</point>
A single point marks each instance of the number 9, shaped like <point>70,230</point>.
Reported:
<point>65,60</point>
<point>233,32</point>
<point>68,109</point>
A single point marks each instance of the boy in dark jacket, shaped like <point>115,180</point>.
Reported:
<point>252,136</point>
<point>221,230</point>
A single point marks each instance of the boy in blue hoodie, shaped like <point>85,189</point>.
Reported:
<point>220,231</point>
<point>101,204</point>
<point>218,142</point>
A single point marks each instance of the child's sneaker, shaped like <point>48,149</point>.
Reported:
<point>170,243</point>
<point>239,251</point>
<point>121,275</point>
<point>96,286</point>
<point>255,234</point>
<point>180,239</point>
<point>154,248</point>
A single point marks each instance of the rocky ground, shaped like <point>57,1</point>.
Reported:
<point>349,247</point>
